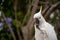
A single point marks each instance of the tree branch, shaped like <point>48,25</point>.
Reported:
<point>30,22</point>
<point>17,25</point>
<point>52,8</point>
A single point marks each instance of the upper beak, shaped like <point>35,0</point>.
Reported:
<point>36,21</point>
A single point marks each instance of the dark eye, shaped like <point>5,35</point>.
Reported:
<point>39,17</point>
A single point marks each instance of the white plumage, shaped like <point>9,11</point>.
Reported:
<point>43,30</point>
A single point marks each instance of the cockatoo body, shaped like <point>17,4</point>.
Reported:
<point>43,30</point>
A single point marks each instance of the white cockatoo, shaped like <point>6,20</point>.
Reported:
<point>43,30</point>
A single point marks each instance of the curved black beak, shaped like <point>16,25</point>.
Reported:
<point>36,22</point>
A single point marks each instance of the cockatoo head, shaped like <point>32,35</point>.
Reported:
<point>38,18</point>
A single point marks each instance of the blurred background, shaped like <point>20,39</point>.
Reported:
<point>16,17</point>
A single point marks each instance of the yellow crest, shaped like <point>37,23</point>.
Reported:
<point>41,9</point>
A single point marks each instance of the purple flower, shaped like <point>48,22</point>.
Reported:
<point>9,20</point>
<point>9,24</point>
<point>1,26</point>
